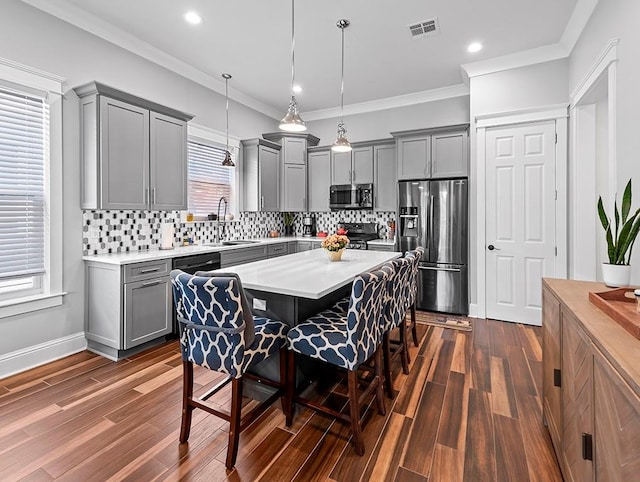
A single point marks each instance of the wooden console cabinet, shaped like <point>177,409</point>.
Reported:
<point>591,386</point>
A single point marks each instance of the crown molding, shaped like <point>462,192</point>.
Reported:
<point>547,53</point>
<point>608,55</point>
<point>458,90</point>
<point>94,25</point>
<point>32,77</point>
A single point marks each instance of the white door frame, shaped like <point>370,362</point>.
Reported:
<point>584,222</point>
<point>558,113</point>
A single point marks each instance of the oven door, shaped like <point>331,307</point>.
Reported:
<point>342,196</point>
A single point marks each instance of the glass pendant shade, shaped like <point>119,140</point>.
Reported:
<point>341,144</point>
<point>228,162</point>
<point>292,122</point>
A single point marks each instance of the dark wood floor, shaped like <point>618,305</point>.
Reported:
<point>469,410</point>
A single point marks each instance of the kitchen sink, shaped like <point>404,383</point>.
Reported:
<point>239,241</point>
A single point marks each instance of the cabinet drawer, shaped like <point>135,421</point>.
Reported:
<point>277,249</point>
<point>146,270</point>
<point>243,255</point>
<point>381,247</point>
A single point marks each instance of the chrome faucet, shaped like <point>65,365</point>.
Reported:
<point>222,199</point>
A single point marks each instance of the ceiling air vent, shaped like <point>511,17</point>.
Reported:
<point>427,28</point>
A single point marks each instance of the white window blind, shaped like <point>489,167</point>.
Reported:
<point>23,143</point>
<point>208,179</point>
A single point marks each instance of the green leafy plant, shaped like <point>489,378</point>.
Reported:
<point>620,240</point>
<point>289,219</point>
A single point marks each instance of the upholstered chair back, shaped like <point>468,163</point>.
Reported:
<point>398,293</point>
<point>415,256</point>
<point>211,321</point>
<point>364,330</point>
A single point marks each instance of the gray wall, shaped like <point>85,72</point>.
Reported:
<point>510,90</point>
<point>378,125</point>
<point>39,40</point>
<point>616,19</point>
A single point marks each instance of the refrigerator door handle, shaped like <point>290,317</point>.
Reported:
<point>434,268</point>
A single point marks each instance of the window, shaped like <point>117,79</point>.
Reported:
<point>208,179</point>
<point>24,137</point>
<point>30,189</point>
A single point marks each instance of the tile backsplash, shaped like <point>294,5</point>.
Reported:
<point>121,231</point>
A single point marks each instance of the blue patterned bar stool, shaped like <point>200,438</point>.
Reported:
<point>417,256</point>
<point>346,341</point>
<point>218,332</point>
<point>396,305</point>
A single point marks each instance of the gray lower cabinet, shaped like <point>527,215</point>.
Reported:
<point>134,151</point>
<point>261,179</point>
<point>380,247</point>
<point>127,306</point>
<point>308,245</point>
<point>319,180</point>
<point>385,185</point>
<point>234,257</point>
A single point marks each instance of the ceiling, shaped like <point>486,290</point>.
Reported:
<point>251,39</point>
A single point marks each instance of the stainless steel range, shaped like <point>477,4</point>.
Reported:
<point>359,234</point>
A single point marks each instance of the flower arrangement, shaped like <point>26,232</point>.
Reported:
<point>335,242</point>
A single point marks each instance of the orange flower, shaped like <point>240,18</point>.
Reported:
<point>335,242</point>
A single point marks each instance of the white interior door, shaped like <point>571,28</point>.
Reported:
<point>520,219</point>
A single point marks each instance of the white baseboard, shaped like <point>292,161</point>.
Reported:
<point>33,356</point>
<point>473,310</point>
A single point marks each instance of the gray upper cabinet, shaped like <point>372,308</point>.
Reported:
<point>414,157</point>
<point>134,151</point>
<point>450,154</point>
<point>362,165</point>
<point>261,175</point>
<point>433,153</point>
<point>124,151</point>
<point>168,169</point>
<point>355,167</point>
<point>384,177</point>
<point>319,179</point>
<point>340,167</point>
<point>295,187</point>
<point>293,168</point>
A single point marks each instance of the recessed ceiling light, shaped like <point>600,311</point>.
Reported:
<point>474,47</point>
<point>297,89</point>
<point>193,18</point>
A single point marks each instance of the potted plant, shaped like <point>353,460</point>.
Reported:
<point>335,245</point>
<point>620,239</point>
<point>289,219</point>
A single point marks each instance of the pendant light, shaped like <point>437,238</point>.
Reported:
<point>342,144</point>
<point>227,154</point>
<point>292,122</point>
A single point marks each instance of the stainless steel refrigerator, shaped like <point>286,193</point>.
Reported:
<point>434,214</point>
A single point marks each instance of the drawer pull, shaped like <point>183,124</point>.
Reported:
<point>151,283</point>
<point>433,268</point>
<point>557,378</point>
<point>587,446</point>
<point>149,270</point>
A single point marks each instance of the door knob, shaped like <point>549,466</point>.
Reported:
<point>491,247</point>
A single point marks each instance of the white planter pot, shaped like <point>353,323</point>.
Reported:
<point>616,275</point>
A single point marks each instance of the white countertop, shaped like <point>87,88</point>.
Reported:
<point>179,251</point>
<point>308,274</point>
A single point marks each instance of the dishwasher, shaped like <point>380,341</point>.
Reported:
<point>191,264</point>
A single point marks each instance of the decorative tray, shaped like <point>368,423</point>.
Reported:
<point>619,306</point>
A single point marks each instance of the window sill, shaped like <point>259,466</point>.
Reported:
<point>18,306</point>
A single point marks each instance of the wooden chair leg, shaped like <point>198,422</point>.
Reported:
<point>187,395</point>
<point>354,412</point>
<point>404,346</point>
<point>414,330</point>
<point>283,378</point>
<point>378,370</point>
<point>234,422</point>
<point>388,382</point>
<point>290,381</point>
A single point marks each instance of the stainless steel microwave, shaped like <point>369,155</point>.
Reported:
<point>351,196</point>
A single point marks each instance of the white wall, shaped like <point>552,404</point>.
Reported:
<point>616,19</point>
<point>38,40</point>
<point>379,124</point>
<point>516,89</point>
